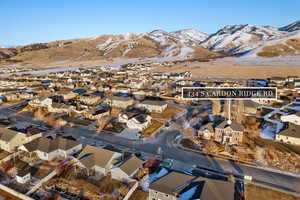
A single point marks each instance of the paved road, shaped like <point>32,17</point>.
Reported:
<point>184,160</point>
<point>165,140</point>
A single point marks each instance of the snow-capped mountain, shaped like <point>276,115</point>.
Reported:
<point>190,34</point>
<point>291,27</point>
<point>240,38</point>
<point>182,43</point>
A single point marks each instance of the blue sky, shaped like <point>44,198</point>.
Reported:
<point>28,21</point>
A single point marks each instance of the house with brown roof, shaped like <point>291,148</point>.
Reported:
<point>291,135</point>
<point>11,139</point>
<point>176,185</point>
<point>97,159</point>
<point>47,149</point>
<point>127,170</point>
<point>232,133</point>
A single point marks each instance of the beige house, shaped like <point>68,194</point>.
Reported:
<point>97,159</point>
<point>41,102</point>
<point>127,170</point>
<point>293,118</point>
<point>47,149</point>
<point>120,102</point>
<point>10,139</point>
<point>291,135</point>
<point>153,106</point>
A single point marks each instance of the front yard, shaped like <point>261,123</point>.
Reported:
<point>154,126</point>
<point>167,114</point>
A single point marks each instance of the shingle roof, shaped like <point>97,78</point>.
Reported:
<point>131,165</point>
<point>6,134</point>
<point>234,125</point>
<point>48,145</point>
<point>91,156</point>
<point>292,131</point>
<point>170,182</point>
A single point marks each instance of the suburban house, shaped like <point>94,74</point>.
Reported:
<point>250,107</point>
<point>97,159</point>
<point>127,170</point>
<point>176,185</point>
<point>23,176</point>
<point>139,122</point>
<point>97,113</point>
<point>207,131</point>
<point>292,118</point>
<point>120,102</point>
<point>11,139</point>
<point>153,106</point>
<point>60,108</point>
<point>47,149</point>
<point>291,135</point>
<point>41,102</point>
<point>229,133</point>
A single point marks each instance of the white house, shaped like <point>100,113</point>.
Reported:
<point>41,102</point>
<point>23,176</point>
<point>127,170</point>
<point>291,135</point>
<point>120,102</point>
<point>153,106</point>
<point>47,149</point>
<point>139,122</point>
<point>97,159</point>
<point>293,118</point>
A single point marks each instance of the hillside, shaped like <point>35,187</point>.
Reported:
<point>158,43</point>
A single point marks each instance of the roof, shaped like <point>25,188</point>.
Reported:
<point>292,131</point>
<point>180,185</point>
<point>234,125</point>
<point>154,103</point>
<point>170,182</point>
<point>91,156</point>
<point>48,145</point>
<point>117,98</point>
<point>209,126</point>
<point>131,165</point>
<point>6,134</point>
<point>214,189</point>
<point>250,103</point>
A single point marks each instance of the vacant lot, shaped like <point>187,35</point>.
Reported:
<point>152,128</point>
<point>167,114</point>
<point>253,192</point>
<point>230,70</point>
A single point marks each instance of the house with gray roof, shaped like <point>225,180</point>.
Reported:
<point>291,135</point>
<point>47,149</point>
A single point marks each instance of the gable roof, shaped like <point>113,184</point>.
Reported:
<point>47,145</point>
<point>292,131</point>
<point>169,183</point>
<point>234,125</point>
<point>93,156</point>
<point>215,189</point>
<point>7,135</point>
<point>153,103</point>
<point>131,165</point>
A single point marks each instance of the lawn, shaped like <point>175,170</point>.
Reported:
<point>154,125</point>
<point>167,114</point>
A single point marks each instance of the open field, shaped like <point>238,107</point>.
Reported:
<point>225,69</point>
<point>253,192</point>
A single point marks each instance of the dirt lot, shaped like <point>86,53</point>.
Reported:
<point>230,70</point>
<point>139,195</point>
<point>166,114</point>
<point>253,192</point>
<point>152,128</point>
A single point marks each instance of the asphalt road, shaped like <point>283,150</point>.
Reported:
<point>187,160</point>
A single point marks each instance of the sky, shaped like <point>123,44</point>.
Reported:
<point>30,21</point>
